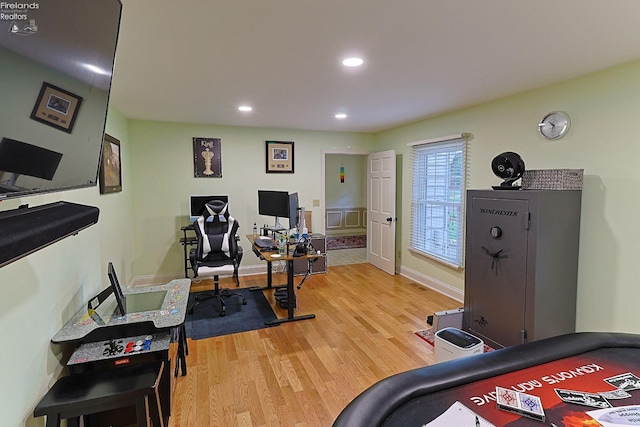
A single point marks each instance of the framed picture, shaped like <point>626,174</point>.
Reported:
<point>279,157</point>
<point>56,107</point>
<point>207,158</point>
<point>110,166</point>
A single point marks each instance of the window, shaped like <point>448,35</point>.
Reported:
<point>437,200</point>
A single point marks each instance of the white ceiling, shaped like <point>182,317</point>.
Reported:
<point>197,60</point>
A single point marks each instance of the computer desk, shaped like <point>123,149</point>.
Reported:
<point>270,257</point>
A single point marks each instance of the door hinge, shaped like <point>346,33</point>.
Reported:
<point>528,221</point>
<point>523,336</point>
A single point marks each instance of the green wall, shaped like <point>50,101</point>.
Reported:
<point>603,140</point>
<point>138,227</point>
<point>163,179</point>
<point>43,290</point>
<point>353,192</point>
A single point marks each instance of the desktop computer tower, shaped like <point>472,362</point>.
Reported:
<point>319,243</point>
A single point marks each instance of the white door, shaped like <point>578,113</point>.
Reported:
<point>381,210</point>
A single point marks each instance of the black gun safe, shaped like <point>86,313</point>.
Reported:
<point>521,264</point>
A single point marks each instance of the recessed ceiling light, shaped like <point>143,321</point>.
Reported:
<point>341,116</point>
<point>352,62</point>
<point>245,108</point>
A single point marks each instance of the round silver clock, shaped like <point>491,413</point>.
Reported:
<point>554,125</point>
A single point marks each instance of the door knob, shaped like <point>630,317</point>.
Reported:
<point>391,219</point>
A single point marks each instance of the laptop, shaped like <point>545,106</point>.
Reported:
<point>134,303</point>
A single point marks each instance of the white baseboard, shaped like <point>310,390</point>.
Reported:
<point>432,283</point>
<point>250,270</point>
<point>347,232</point>
<point>153,280</point>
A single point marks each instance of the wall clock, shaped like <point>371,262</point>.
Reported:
<point>554,125</point>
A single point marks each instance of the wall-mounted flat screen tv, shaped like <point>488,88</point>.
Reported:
<point>57,58</point>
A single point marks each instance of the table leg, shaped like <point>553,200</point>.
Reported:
<point>184,248</point>
<point>291,301</point>
<point>183,350</point>
<point>269,281</point>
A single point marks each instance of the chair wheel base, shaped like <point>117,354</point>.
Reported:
<point>218,294</point>
<point>203,297</point>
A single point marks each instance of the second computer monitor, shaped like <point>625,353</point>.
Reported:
<point>294,210</point>
<point>196,204</point>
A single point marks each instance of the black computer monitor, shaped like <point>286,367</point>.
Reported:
<point>274,203</point>
<point>294,211</point>
<point>196,204</point>
<point>19,158</point>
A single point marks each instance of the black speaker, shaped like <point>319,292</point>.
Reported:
<point>508,166</point>
<point>26,230</point>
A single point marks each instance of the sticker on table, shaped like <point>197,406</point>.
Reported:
<point>614,394</point>
<point>582,398</point>
<point>627,381</point>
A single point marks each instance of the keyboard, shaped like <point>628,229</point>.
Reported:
<point>265,244</point>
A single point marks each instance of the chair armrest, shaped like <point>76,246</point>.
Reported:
<point>193,262</point>
<point>239,256</point>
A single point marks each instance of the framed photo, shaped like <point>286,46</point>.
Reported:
<point>279,157</point>
<point>207,158</point>
<point>56,107</point>
<point>110,166</point>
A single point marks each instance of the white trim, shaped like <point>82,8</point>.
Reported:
<point>432,283</point>
<point>439,139</point>
<point>152,279</point>
<point>420,278</point>
<point>435,258</point>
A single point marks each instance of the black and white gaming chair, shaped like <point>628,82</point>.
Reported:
<point>217,252</point>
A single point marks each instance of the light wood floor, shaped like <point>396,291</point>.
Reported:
<point>304,373</point>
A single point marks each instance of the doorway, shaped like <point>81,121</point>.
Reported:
<point>344,206</point>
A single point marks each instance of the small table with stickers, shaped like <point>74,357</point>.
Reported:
<point>106,339</point>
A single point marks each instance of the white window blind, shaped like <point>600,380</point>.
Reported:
<point>437,201</point>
